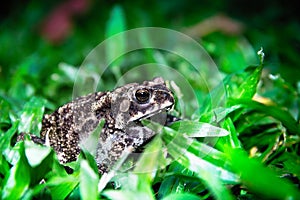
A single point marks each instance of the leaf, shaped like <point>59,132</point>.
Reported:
<point>18,179</point>
<point>5,138</point>
<point>216,115</point>
<point>37,191</point>
<point>90,143</point>
<point>56,169</point>
<point>257,178</point>
<point>181,196</point>
<point>198,129</point>
<point>22,83</point>
<point>233,136</point>
<point>248,87</point>
<point>292,163</point>
<point>63,77</point>
<point>146,167</point>
<point>169,185</point>
<point>191,154</point>
<point>173,139</point>
<point>4,166</point>
<point>40,159</point>
<point>32,115</point>
<point>88,181</point>
<point>86,155</point>
<point>116,22</point>
<point>209,173</point>
<point>215,99</point>
<point>4,112</point>
<point>125,194</point>
<point>61,186</point>
<point>282,115</point>
<point>115,47</point>
<point>150,159</point>
<point>35,153</point>
<point>177,179</point>
<point>243,85</point>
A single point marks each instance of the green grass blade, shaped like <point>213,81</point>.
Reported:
<point>181,196</point>
<point>282,115</point>
<point>31,116</point>
<point>62,186</point>
<point>189,155</point>
<point>198,129</point>
<point>17,181</point>
<point>258,178</point>
<point>88,182</point>
<point>116,47</point>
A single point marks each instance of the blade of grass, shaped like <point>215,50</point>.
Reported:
<point>31,116</point>
<point>189,157</point>
<point>17,181</point>
<point>88,181</point>
<point>61,186</point>
<point>116,48</point>
<point>181,196</point>
<point>198,129</point>
<point>260,179</point>
<point>283,116</point>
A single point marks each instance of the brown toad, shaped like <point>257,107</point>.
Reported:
<point>68,127</point>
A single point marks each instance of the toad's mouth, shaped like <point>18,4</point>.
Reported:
<point>160,117</point>
<point>157,116</point>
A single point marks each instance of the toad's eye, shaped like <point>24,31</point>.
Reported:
<point>142,95</point>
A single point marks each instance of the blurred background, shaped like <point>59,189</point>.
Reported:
<point>35,36</point>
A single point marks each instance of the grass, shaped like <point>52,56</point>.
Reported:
<point>251,116</point>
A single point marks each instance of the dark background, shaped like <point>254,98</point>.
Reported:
<point>273,25</point>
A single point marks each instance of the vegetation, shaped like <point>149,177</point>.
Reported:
<point>238,137</point>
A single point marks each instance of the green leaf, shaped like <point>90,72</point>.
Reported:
<point>115,48</point>
<point>40,159</point>
<point>236,51</point>
<point>32,115</point>
<point>233,136</point>
<point>141,179</point>
<point>35,153</point>
<point>292,163</point>
<point>181,196</point>
<point>243,85</point>
<point>61,186</point>
<point>198,129</point>
<point>126,194</point>
<point>86,155</point>
<point>178,179</point>
<point>116,22</point>
<point>282,115</point>
<point>216,115</point>
<point>151,158</point>
<point>191,154</point>
<point>90,143</point>
<point>4,166</point>
<point>56,169</point>
<point>5,138</point>
<point>169,185</point>
<point>22,82</point>
<point>17,181</point>
<point>88,181</point>
<point>208,173</point>
<point>4,112</point>
<point>257,178</point>
<point>38,191</point>
<point>215,99</point>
